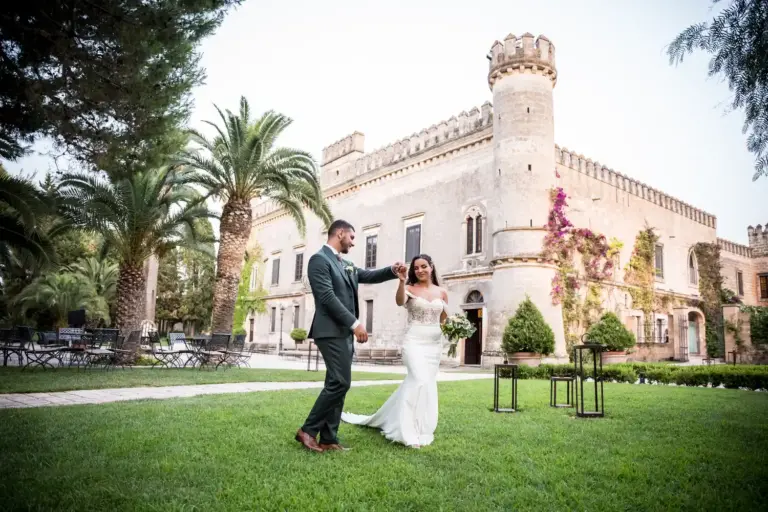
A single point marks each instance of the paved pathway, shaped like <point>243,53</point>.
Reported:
<point>102,396</point>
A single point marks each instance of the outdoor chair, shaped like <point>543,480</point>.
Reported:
<point>237,355</point>
<point>128,352</point>
<point>47,350</point>
<point>177,342</point>
<point>213,353</point>
<point>11,344</point>
<point>100,351</point>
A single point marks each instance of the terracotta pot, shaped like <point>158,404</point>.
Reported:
<point>526,358</point>
<point>614,357</point>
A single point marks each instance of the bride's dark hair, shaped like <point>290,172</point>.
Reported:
<point>412,270</point>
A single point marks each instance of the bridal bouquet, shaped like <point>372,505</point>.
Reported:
<point>455,328</point>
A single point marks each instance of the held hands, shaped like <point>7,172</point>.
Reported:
<point>400,270</point>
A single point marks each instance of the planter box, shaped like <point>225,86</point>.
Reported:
<point>614,357</point>
<point>524,358</point>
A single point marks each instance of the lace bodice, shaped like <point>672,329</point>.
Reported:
<point>423,312</point>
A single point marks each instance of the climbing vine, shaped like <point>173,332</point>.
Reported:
<point>711,292</point>
<point>561,244</point>
<point>248,301</point>
<point>640,274</point>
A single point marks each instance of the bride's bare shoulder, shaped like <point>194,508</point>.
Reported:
<point>444,294</point>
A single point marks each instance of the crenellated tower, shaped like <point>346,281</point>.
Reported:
<point>522,76</point>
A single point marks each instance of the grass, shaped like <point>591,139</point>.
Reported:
<point>13,380</point>
<point>659,448</point>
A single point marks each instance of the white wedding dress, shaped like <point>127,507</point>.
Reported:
<point>409,416</point>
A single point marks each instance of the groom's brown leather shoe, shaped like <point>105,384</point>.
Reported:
<point>309,442</point>
<point>334,447</point>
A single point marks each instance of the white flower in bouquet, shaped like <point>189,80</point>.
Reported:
<point>455,328</point>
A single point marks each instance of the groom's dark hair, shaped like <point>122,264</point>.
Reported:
<point>339,225</point>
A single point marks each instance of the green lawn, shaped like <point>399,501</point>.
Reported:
<point>13,380</point>
<point>660,448</point>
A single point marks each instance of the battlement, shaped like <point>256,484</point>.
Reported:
<point>734,248</point>
<point>758,240</point>
<point>354,143</point>
<point>436,135</point>
<point>596,170</point>
<point>525,54</point>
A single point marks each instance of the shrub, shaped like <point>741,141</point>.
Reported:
<point>298,335</point>
<point>527,331</point>
<point>609,331</point>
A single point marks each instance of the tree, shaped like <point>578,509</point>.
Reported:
<point>527,331</point>
<point>169,290</point>
<point>107,80</point>
<point>737,39</point>
<point>22,208</point>
<point>140,215</point>
<point>611,332</point>
<point>200,273</point>
<point>249,300</point>
<point>62,292</point>
<point>241,164</point>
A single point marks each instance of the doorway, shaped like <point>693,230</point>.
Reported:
<point>693,333</point>
<point>473,348</point>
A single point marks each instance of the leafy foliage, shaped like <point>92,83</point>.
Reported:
<point>711,292</point>
<point>640,273</point>
<point>758,324</point>
<point>736,39</point>
<point>527,331</point>
<point>609,331</point>
<point>298,334</point>
<point>108,80</point>
<point>242,163</point>
<point>249,301</point>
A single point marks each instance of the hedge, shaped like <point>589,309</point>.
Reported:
<point>732,377</point>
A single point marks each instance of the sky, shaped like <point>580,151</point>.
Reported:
<point>389,69</point>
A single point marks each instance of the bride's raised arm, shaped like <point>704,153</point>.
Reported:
<point>400,297</point>
<point>444,314</point>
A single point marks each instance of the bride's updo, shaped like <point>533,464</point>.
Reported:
<point>412,279</point>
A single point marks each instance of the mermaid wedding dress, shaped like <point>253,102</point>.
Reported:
<point>409,416</point>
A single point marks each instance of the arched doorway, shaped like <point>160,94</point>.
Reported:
<point>473,346</point>
<point>695,328</point>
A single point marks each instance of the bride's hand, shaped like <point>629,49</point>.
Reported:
<point>402,273</point>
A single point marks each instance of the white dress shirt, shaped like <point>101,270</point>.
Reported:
<point>336,253</point>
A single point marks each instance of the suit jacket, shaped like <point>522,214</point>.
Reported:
<point>334,287</point>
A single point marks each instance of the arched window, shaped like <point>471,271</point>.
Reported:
<point>474,297</point>
<point>474,233</point>
<point>693,272</point>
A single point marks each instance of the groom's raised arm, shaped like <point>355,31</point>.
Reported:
<point>319,274</point>
<point>375,276</point>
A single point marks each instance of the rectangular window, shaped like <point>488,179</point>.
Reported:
<point>371,243</point>
<point>660,261</point>
<point>275,271</point>
<point>272,320</point>
<point>250,330</point>
<point>296,317</point>
<point>369,316</point>
<point>740,283</point>
<point>254,275</point>
<point>412,242</point>
<point>763,278</point>
<point>298,272</point>
<point>659,330</point>
<point>470,234</point>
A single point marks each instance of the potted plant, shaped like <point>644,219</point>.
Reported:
<point>527,336</point>
<point>609,331</point>
<point>299,335</point>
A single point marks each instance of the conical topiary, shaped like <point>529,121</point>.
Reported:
<point>611,332</point>
<point>527,331</point>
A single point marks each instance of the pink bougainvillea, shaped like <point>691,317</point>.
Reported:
<point>563,239</point>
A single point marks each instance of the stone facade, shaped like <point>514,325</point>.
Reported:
<point>477,186</point>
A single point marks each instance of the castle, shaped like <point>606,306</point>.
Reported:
<point>476,193</point>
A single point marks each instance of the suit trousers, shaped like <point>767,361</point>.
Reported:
<point>325,416</point>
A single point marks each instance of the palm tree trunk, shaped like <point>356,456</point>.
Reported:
<point>131,290</point>
<point>234,230</point>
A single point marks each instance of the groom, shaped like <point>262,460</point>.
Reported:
<point>334,287</point>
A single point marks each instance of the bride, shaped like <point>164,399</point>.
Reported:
<point>409,416</point>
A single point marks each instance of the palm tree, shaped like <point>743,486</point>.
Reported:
<point>242,164</point>
<point>61,293</point>
<point>146,213</point>
<point>22,207</point>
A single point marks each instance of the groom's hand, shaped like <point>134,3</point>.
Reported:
<point>361,334</point>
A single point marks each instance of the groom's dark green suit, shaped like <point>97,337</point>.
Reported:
<point>334,287</point>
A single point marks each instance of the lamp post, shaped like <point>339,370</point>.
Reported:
<point>280,346</point>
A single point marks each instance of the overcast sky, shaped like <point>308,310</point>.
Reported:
<point>390,70</point>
